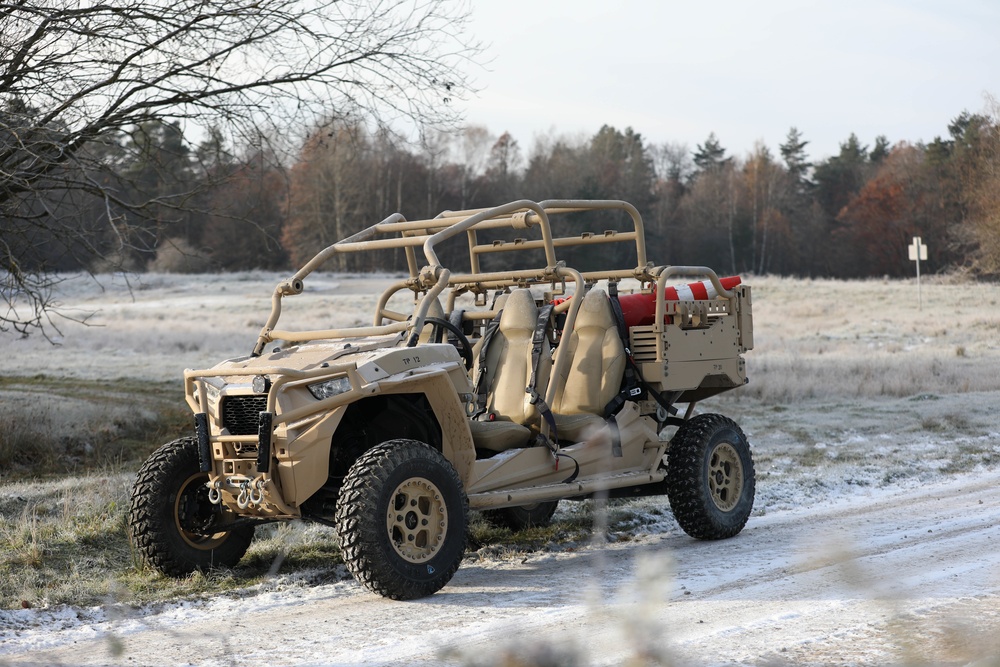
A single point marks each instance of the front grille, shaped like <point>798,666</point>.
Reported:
<point>239,413</point>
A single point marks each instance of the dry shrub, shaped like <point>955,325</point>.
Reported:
<point>25,440</point>
<point>179,256</point>
<point>116,262</point>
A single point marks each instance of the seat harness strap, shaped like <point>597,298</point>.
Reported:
<point>535,398</point>
<point>481,389</point>
<point>633,385</point>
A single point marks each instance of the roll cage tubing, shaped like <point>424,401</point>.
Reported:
<point>433,278</point>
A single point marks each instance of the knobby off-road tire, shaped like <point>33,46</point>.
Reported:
<point>402,517</point>
<point>170,511</point>
<point>536,515</point>
<point>710,477</point>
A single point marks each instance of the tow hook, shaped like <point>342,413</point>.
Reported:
<point>251,490</point>
<point>214,495</point>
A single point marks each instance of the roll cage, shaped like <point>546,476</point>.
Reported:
<point>429,282</point>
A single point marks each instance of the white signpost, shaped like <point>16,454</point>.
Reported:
<point>918,251</point>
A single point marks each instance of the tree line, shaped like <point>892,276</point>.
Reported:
<point>215,207</point>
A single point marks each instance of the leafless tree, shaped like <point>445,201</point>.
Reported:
<point>76,77</point>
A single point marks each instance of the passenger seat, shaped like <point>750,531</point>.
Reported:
<point>594,375</point>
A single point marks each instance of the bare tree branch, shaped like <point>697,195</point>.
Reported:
<point>76,76</point>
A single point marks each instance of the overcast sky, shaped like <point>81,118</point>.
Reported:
<point>747,70</point>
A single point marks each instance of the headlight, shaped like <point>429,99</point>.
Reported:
<point>261,384</point>
<point>330,388</point>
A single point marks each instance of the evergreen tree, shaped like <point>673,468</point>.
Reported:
<point>796,233</point>
<point>842,176</point>
<point>793,152</point>
<point>710,155</point>
<point>838,180</point>
<point>881,149</point>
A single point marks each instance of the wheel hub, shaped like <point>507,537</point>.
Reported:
<point>195,515</point>
<point>416,520</point>
<point>725,476</point>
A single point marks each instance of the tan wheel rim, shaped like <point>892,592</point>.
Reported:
<point>182,506</point>
<point>725,476</point>
<point>417,520</point>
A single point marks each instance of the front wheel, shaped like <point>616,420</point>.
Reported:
<point>710,477</point>
<point>402,517</point>
<point>172,523</point>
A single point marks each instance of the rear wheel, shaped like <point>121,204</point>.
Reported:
<point>172,523</point>
<point>402,518</point>
<point>535,515</point>
<point>710,477</point>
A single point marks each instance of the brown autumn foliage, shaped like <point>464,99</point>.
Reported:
<point>893,206</point>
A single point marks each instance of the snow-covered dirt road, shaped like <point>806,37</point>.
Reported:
<point>909,574</point>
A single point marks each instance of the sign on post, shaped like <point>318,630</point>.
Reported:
<point>918,251</point>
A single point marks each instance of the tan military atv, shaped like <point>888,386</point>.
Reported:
<point>550,385</point>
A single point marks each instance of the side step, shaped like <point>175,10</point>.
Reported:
<point>536,494</point>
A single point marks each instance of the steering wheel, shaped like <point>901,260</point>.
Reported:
<point>461,343</point>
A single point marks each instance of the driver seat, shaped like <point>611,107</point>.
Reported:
<point>508,368</point>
